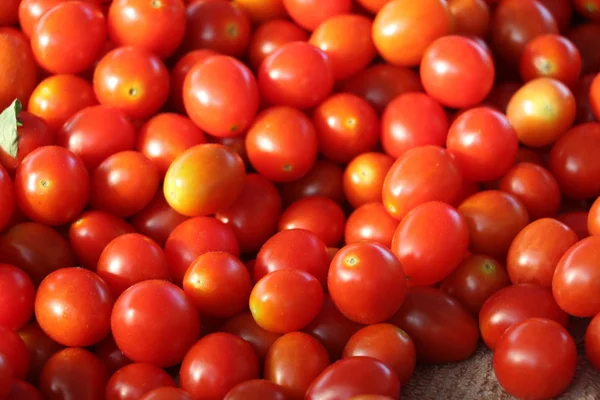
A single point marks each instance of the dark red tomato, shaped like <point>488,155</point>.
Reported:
<point>535,186</point>
<point>536,251</point>
<point>400,35</point>
<point>494,219</point>
<point>135,380</point>
<point>270,36</point>
<point>466,65</point>
<point>52,185</point>
<point>441,329</point>
<point>6,376</point>
<point>16,352</point>
<point>515,23</point>
<point>357,263</point>
<point>237,144</point>
<point>132,80</point>
<point>155,26</point>
<point>386,343</point>
<point>263,11</point>
<point>382,83</point>
<point>535,359</point>
<point>17,295</point>
<point>514,304</point>
<point>256,389</point>
<point>217,25</point>
<point>353,376</point>
<point>573,162</point>
<point>411,120</point>
<point>561,10</point>
<point>73,373</point>
<point>309,14</point>
<point>166,136</point>
<point>21,390</point>
<point>286,300</point>
<point>525,154</point>
<point>7,199</point>
<point>324,179</point>
<point>217,363</point>
<point>110,355</point>
<point>370,221</point>
<point>157,220</point>
<point>593,220</point>
<point>576,280</point>
<point>592,342</point>
<point>347,126</point>
<point>32,133</point>
<point>471,17</point>
<point>551,56</point>
<point>194,237</point>
<point>155,312</point>
<point>40,348</point>
<point>474,281</point>
<point>501,94</point>
<point>30,11</point>
<point>582,37</point>
<point>89,134</point>
<point>282,144</point>
<point>422,174</point>
<point>18,67</point>
<point>9,12</point>
<point>294,361</point>
<point>244,326</point>
<point>577,221</point>
<point>427,256</point>
<point>589,9</point>
<point>347,41</point>
<point>594,96</point>
<point>279,76</point>
<point>69,37</point>
<point>364,177</point>
<point>180,71</point>
<point>166,393</point>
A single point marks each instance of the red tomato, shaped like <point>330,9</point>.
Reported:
<point>593,219</point>
<point>17,295</point>
<point>180,71</point>
<point>370,221</point>
<point>471,17</point>
<point>244,326</point>
<point>18,67</point>
<point>589,9</point>
<point>135,380</point>
<point>15,351</point>
<point>40,348</point>
<point>310,13</point>
<point>535,358</point>
<point>324,179</point>
<point>294,361</point>
<point>256,389</point>
<point>422,174</point>
<point>262,11</point>
<point>551,56</point>
<point>166,393</point>
<point>30,11</point>
<point>155,312</point>
<point>21,390</point>
<point>370,262</point>
<point>270,36</point>
<point>595,96</point>
<point>501,94</point>
<point>217,363</point>
<point>592,342</point>
<point>561,10</point>
<point>7,199</point>
<point>583,37</point>
<point>353,376</point>
<point>364,177</point>
<point>286,300</point>
<point>6,376</point>
<point>577,221</point>
<point>441,329</point>
<point>110,355</point>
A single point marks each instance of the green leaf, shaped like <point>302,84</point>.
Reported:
<point>9,122</point>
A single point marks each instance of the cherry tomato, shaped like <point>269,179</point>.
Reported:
<point>180,71</point>
<point>7,199</point>
<point>594,96</point>
<point>582,37</point>
<point>592,342</point>
<point>256,389</point>
<point>270,36</point>
<point>30,11</point>
<point>364,177</point>
<point>310,13</point>
<point>244,326</point>
<point>21,390</point>
<point>262,11</point>
<point>593,219</point>
<point>370,221</point>
<point>16,352</point>
<point>561,10</point>
<point>471,17</point>
<point>135,380</point>
<point>110,355</point>
<point>40,348</point>
<point>535,358</point>
<point>6,376</point>
<point>166,393</point>
<point>18,67</point>
<point>551,56</point>
<point>589,9</point>
<point>324,179</point>
<point>17,295</point>
<point>577,221</point>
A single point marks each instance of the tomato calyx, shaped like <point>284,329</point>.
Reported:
<point>9,124</point>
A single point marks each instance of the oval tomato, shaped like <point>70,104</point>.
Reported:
<point>324,179</point>
<point>310,13</point>
<point>244,326</point>
<point>592,342</point>
<point>364,177</point>
<point>370,221</point>
<point>256,389</point>
<point>271,36</point>
<point>135,380</point>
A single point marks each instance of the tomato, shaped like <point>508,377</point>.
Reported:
<point>194,237</point>
<point>494,219</point>
<point>9,12</point>
<point>294,361</point>
<point>7,199</point>
<point>262,11</point>
<point>286,300</point>
<point>166,393</point>
<point>353,376</point>
<point>582,37</point>
<point>110,355</point>
<point>535,358</point>
<point>370,262</point>
<point>364,177</point>
<point>551,56</point>
<point>256,389</point>
<point>135,380</point>
<point>422,174</point>
<point>589,9</point>
<point>577,221</point>
<point>441,329</point>
<point>17,293</point>
<point>218,25</point>
<point>237,144</point>
<point>483,143</point>
<point>15,351</point>
<point>21,390</point>
<point>501,94</point>
<point>282,144</point>
<point>217,363</point>
<point>386,343</point>
<point>324,179</point>
<point>154,322</point>
<point>471,17</point>
<point>6,376</point>
<point>166,136</point>
<point>180,71</point>
<point>17,66</point>
<point>244,326</point>
<point>270,36</point>
<point>370,221</point>
<point>594,97</point>
<point>575,282</point>
<point>573,164</point>
<point>30,11</point>
<point>593,219</point>
<point>40,348</point>
<point>309,14</point>
<point>69,37</point>
<point>381,83</point>
<point>561,10</point>
<point>592,342</point>
<point>157,220</point>
<point>133,80</point>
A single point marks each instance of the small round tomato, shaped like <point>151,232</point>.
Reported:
<point>262,11</point>
<point>471,17</point>
<point>535,358</point>
<point>370,262</point>
<point>166,393</point>
<point>561,10</point>
<point>7,199</point>
<point>244,326</point>
<point>594,96</point>
<point>18,67</point>
<point>324,179</point>
<point>17,295</point>
<point>286,300</point>
<point>21,390</point>
<point>52,185</point>
<point>180,71</point>
<point>154,322</point>
<point>270,36</point>
<point>577,221</point>
<point>69,38</point>
<point>422,174</point>
<point>514,304</point>
<point>203,180</point>
<point>14,349</point>
<point>30,11</point>
<point>132,80</point>
<point>309,14</point>
<point>282,144</point>
<point>551,56</point>
<point>592,342</point>
<point>110,355</point>
<point>593,219</point>
<point>364,176</point>
<point>294,361</point>
<point>135,380</point>
<point>371,221</point>
<point>256,389</point>
<point>589,9</point>
<point>582,37</point>
<point>40,348</point>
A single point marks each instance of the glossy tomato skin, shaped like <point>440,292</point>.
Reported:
<point>370,221</point>
<point>179,72</point>
<point>364,177</point>
<point>6,376</point>
<point>21,390</point>
<point>30,11</point>
<point>270,36</point>
<point>552,56</point>
<point>15,351</point>
<point>135,380</point>
<point>244,326</point>
<point>561,10</point>
<point>40,348</point>
<point>256,389</point>
<point>577,221</point>
<point>166,393</point>
<point>324,179</point>
<point>262,11</point>
<point>593,219</point>
<point>153,312</point>
<point>592,342</point>
<point>471,17</point>
<point>111,356</point>
<point>309,14</point>
<point>594,96</point>
<point>73,50</point>
<point>353,376</point>
<point>547,367</point>
<point>7,197</point>
<point>18,67</point>
<point>217,363</point>
<point>363,262</point>
<point>18,294</point>
<point>217,81</point>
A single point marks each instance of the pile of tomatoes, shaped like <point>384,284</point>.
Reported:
<point>295,199</point>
